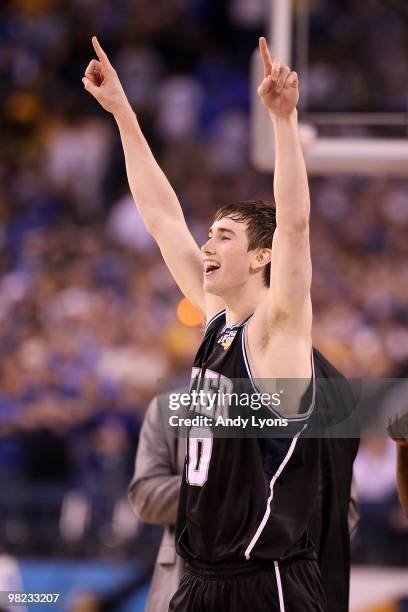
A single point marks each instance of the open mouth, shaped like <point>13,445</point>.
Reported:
<point>210,267</point>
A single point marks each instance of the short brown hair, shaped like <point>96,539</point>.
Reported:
<point>260,217</point>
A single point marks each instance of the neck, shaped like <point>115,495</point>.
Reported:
<point>240,305</point>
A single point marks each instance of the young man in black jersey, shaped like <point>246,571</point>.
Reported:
<point>246,503</point>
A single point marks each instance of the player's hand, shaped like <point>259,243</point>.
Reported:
<point>279,90</point>
<point>102,81</point>
<point>397,428</point>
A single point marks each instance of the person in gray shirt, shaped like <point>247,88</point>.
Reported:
<point>154,494</point>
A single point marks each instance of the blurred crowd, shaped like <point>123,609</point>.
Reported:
<point>88,311</point>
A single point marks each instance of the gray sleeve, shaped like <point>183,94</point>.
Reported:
<point>154,489</point>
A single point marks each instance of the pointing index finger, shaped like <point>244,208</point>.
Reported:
<point>266,58</point>
<point>100,52</point>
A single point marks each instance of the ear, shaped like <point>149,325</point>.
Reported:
<point>261,258</point>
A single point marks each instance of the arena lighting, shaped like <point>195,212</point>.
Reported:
<point>342,155</point>
<point>188,314</point>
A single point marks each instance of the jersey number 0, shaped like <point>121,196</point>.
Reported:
<point>200,439</point>
<point>200,442</point>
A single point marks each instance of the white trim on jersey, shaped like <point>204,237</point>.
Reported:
<point>295,417</point>
<point>207,325</point>
<point>248,369</point>
<point>279,585</point>
<point>236,326</point>
<point>268,503</point>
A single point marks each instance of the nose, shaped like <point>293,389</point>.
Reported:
<point>208,248</point>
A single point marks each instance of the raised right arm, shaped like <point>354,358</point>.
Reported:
<point>161,210</point>
<point>151,191</point>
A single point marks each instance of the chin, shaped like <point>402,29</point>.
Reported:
<point>212,288</point>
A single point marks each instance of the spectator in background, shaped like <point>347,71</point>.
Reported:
<point>375,477</point>
<point>398,430</point>
<point>10,580</point>
<point>77,155</point>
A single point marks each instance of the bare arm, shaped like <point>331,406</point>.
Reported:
<point>280,332</point>
<point>153,195</point>
<point>161,210</point>
<point>155,486</point>
<point>291,269</point>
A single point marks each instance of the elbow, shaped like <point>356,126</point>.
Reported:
<point>143,515</point>
<point>146,505</point>
<point>158,227</point>
<point>299,226</point>
<point>295,227</point>
<point>151,226</point>
<point>139,503</point>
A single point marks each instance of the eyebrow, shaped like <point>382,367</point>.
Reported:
<point>221,229</point>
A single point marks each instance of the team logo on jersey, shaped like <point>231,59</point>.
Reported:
<point>227,337</point>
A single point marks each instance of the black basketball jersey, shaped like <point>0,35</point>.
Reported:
<point>329,529</point>
<point>246,498</point>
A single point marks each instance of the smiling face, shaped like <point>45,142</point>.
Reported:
<point>228,264</point>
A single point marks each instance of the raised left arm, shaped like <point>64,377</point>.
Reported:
<point>291,269</point>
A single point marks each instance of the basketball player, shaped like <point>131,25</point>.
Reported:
<point>154,494</point>
<point>398,430</point>
<point>245,504</point>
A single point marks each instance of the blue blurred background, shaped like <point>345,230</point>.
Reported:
<point>88,311</point>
